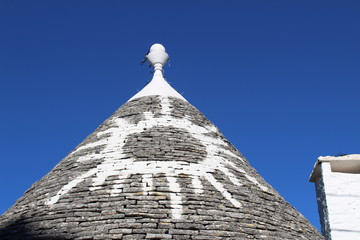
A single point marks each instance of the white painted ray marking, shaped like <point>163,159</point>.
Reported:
<point>175,197</point>
<point>222,190</point>
<point>210,161</point>
<point>250,178</point>
<point>69,186</point>
<point>117,163</point>
<point>212,128</point>
<point>197,185</point>
<point>253,180</point>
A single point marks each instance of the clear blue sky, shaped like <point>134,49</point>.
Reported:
<point>280,79</point>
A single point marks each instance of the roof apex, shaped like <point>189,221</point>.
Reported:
<point>157,57</point>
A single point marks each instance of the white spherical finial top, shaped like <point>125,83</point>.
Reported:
<point>157,47</point>
<point>157,56</point>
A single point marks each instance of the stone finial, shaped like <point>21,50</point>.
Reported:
<point>157,56</point>
<point>158,86</point>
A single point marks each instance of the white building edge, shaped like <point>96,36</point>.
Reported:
<point>337,183</point>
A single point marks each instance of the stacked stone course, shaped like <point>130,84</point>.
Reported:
<point>147,206</point>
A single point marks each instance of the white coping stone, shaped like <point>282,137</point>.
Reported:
<point>345,157</point>
<point>346,164</point>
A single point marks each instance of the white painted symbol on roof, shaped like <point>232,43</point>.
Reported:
<point>117,163</point>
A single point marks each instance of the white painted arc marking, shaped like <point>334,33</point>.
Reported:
<point>116,163</point>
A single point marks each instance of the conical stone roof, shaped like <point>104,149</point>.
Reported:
<point>155,169</point>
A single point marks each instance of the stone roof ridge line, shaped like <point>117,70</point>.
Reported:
<point>158,86</point>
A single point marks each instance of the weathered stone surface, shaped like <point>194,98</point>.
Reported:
<point>174,176</point>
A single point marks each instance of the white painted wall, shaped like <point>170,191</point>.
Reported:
<point>339,202</point>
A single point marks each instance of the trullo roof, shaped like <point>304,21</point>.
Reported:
<point>155,169</point>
